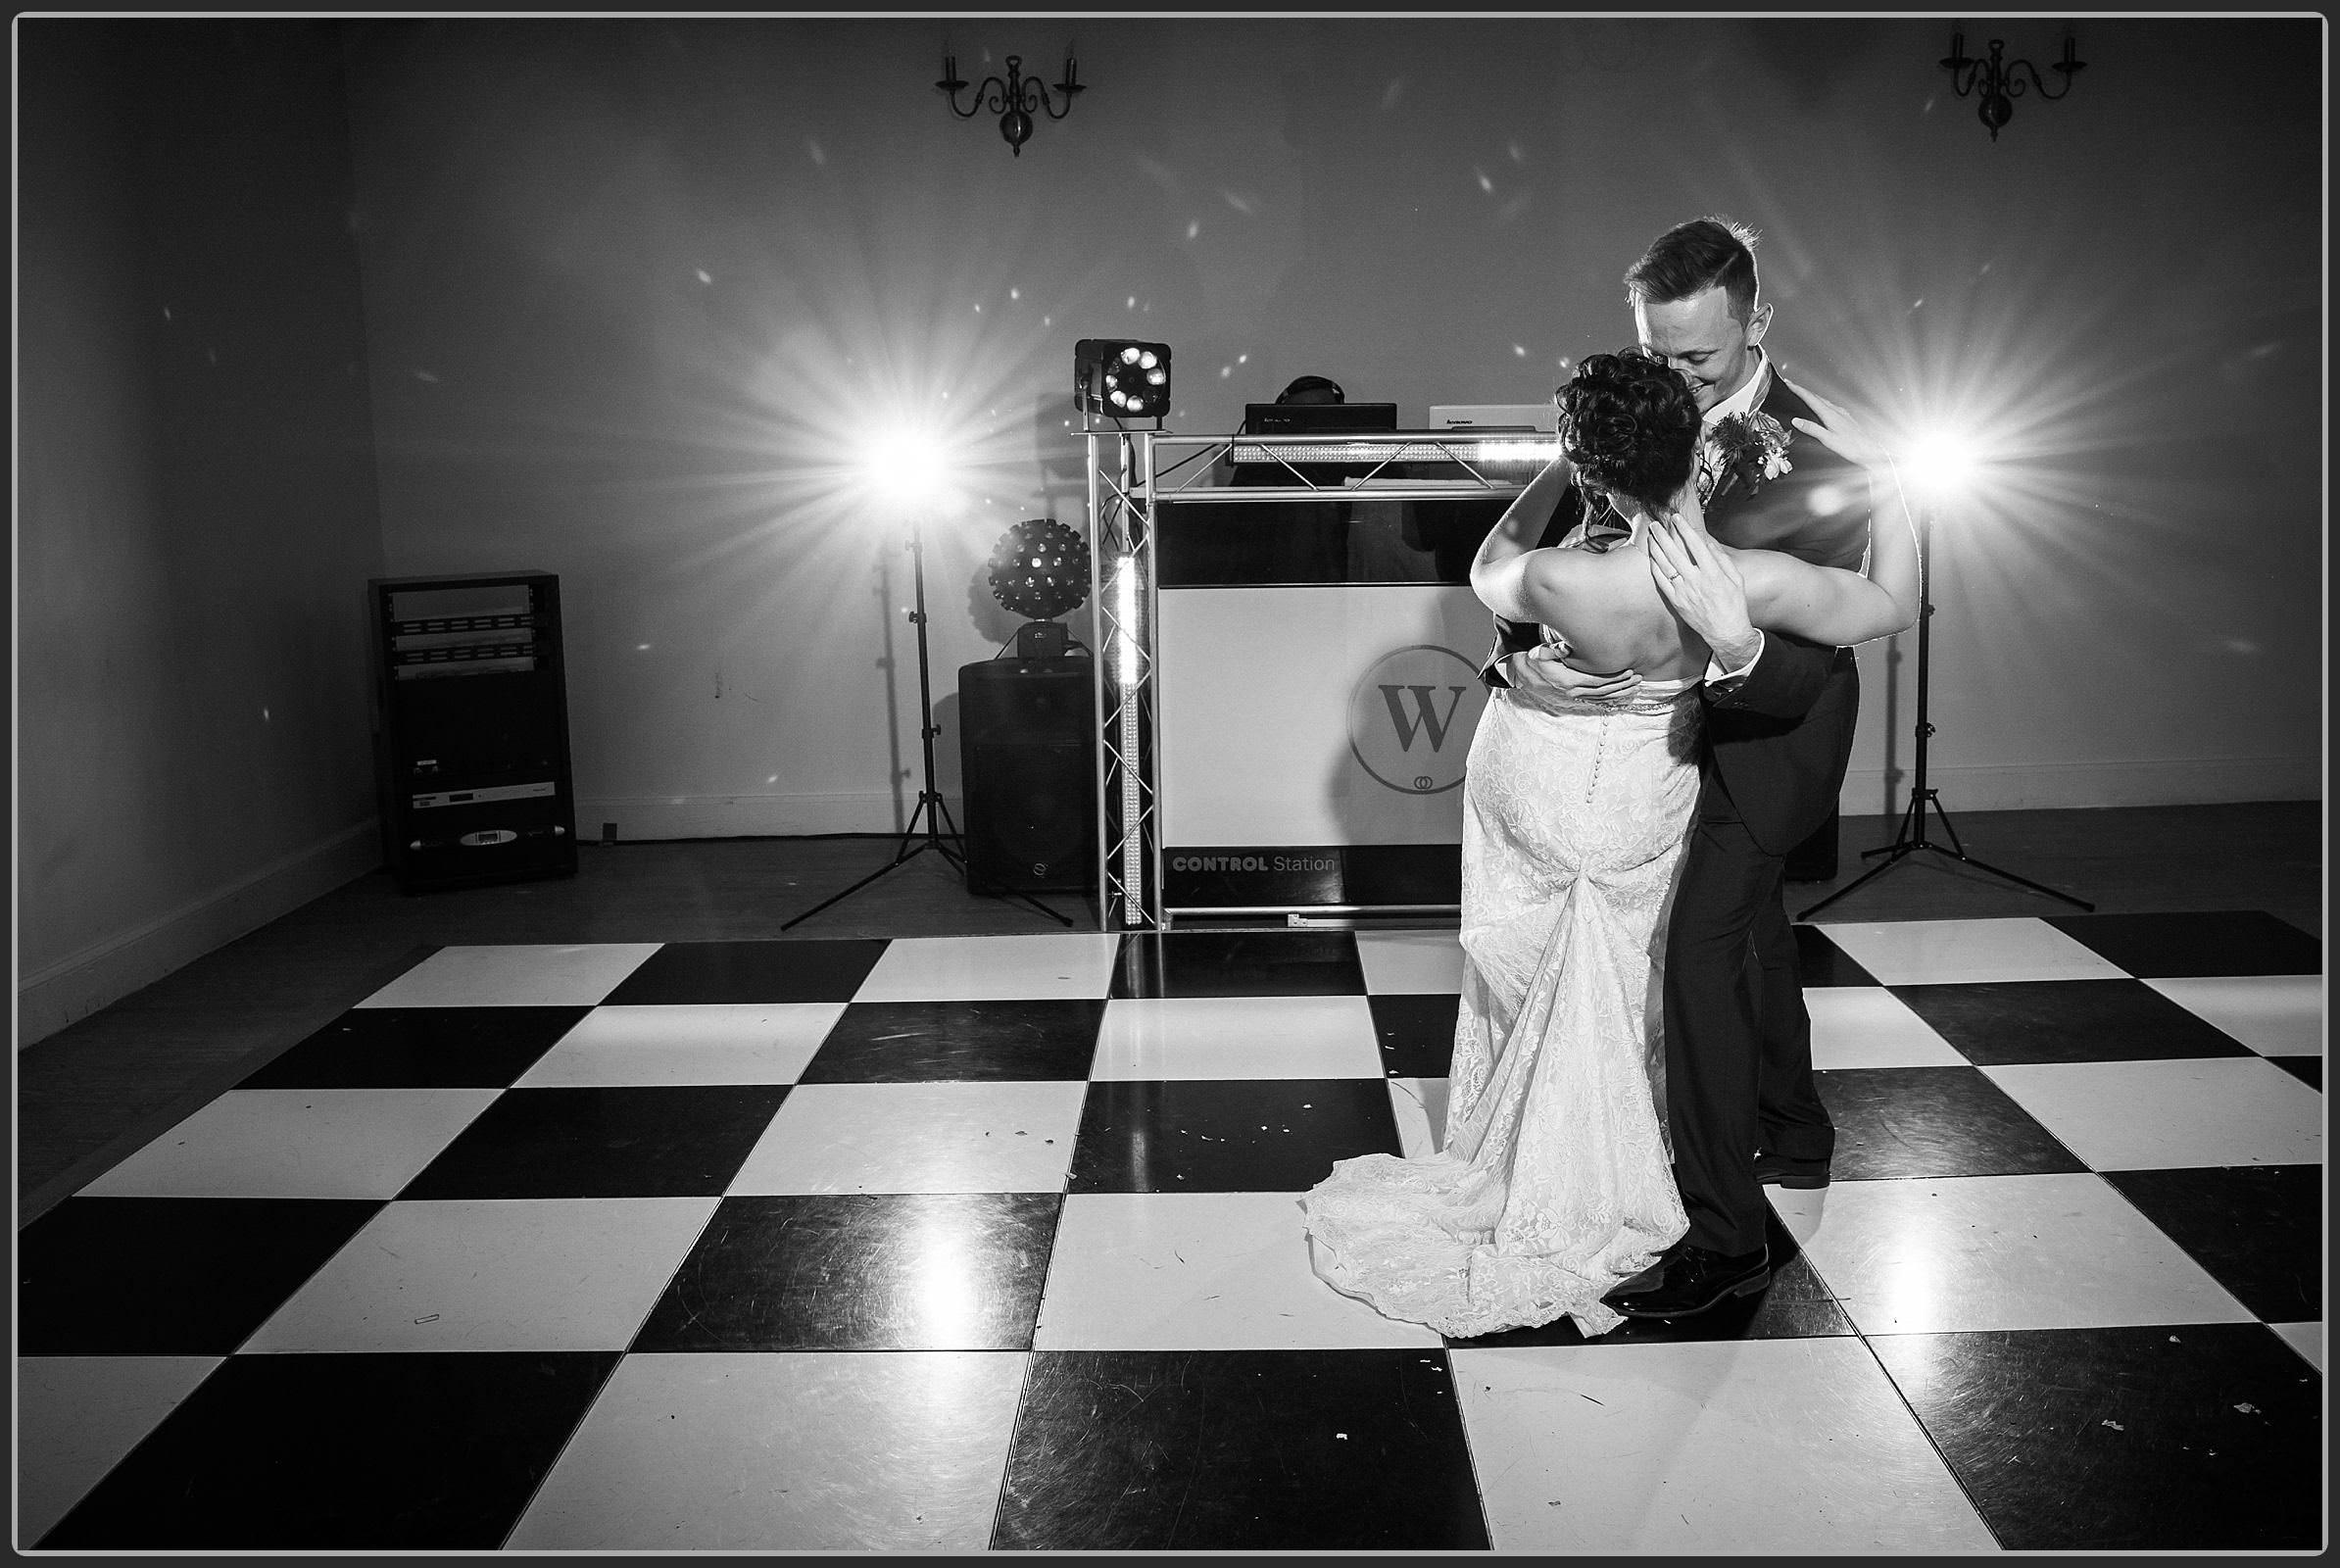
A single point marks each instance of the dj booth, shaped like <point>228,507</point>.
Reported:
<point>1289,685</point>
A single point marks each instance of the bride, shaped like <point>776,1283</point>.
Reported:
<point>1553,1182</point>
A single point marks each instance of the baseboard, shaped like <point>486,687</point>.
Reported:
<point>77,986</point>
<point>2063,786</point>
<point>752,817</point>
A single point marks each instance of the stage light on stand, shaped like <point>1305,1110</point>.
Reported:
<point>1936,469</point>
<point>908,468</point>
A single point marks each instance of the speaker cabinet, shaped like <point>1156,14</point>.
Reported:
<point>1026,737</point>
<point>471,729</point>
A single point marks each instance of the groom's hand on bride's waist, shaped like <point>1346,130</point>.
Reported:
<point>1540,668</point>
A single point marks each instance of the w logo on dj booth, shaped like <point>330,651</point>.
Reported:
<point>1411,717</point>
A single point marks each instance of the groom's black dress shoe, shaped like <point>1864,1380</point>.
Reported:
<point>1694,1280</point>
<point>1779,1171</point>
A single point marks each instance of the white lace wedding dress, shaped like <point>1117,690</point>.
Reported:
<point>1553,1180</point>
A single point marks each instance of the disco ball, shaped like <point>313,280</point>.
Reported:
<point>1040,568</point>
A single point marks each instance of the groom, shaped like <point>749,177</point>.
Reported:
<point>1740,1103</point>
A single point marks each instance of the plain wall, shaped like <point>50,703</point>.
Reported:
<point>195,506</point>
<point>639,293</point>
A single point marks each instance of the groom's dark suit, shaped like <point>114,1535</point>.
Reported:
<point>1738,1042</point>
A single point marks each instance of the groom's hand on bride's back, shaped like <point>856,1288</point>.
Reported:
<point>1540,668</point>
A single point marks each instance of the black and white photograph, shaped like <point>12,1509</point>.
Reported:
<point>1116,782</point>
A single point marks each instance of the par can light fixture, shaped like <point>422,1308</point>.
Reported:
<point>1121,379</point>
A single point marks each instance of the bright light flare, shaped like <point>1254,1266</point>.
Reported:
<point>907,465</point>
<point>1941,462</point>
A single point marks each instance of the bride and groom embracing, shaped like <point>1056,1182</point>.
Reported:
<point>1673,705</point>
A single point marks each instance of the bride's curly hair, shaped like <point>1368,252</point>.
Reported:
<point>1630,425</point>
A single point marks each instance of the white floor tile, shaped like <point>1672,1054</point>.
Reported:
<point>1075,963</point>
<point>1909,953</point>
<point>1420,1104</point>
<point>298,1143</point>
<point>1868,1026</point>
<point>748,1043</point>
<point>1198,1271</point>
<point>1798,1446</point>
<point>1966,1253</point>
<point>917,1138</point>
<point>2274,1014</point>
<point>1236,1037</point>
<point>545,975</point>
<point>2305,1338</point>
<point>552,1274</point>
<point>78,1415</point>
<point>1401,963</point>
<point>2156,1116</point>
<point>829,1451</point>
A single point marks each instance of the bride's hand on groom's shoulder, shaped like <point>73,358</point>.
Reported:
<point>1700,583</point>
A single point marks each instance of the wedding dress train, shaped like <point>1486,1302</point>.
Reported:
<point>1553,1180</point>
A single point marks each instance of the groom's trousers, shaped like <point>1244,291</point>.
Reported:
<point>1738,1040</point>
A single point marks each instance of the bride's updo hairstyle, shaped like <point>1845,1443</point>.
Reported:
<point>1630,425</point>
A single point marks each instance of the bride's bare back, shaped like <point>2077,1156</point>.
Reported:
<point>1608,607</point>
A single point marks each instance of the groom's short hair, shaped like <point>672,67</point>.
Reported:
<point>1693,257</point>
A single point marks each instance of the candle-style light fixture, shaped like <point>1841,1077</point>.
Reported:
<point>1016,99</point>
<point>2001,81</point>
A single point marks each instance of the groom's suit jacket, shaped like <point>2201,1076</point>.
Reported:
<point>1780,738</point>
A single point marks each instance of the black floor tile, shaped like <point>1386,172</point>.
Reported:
<point>169,1276</point>
<point>1994,1024</point>
<point>420,1047</point>
<point>1268,1135</point>
<point>1238,964</point>
<point>428,1453</point>
<point>644,1142</point>
<point>862,1271</point>
<point>2257,1229</point>
<point>1894,1123</point>
<point>2307,1069</point>
<point>1797,1305</point>
<point>1239,1451</point>
<point>686,972</point>
<point>2200,1437</point>
<point>1416,1033</point>
<point>959,1042</point>
<point>2154,947</point>
<point>1823,963</point>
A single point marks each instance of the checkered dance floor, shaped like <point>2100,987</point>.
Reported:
<point>992,1243</point>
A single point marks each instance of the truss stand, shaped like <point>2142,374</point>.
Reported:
<point>1911,839</point>
<point>930,799</point>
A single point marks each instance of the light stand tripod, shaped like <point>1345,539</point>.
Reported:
<point>1912,836</point>
<point>930,799</point>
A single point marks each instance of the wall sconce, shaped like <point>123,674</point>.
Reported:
<point>1014,99</point>
<point>1999,81</point>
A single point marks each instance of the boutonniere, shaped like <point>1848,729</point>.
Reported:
<point>1749,448</point>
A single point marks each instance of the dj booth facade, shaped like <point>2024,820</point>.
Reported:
<point>1289,685</point>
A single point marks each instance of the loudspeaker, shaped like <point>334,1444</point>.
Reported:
<point>1027,749</point>
<point>471,729</point>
